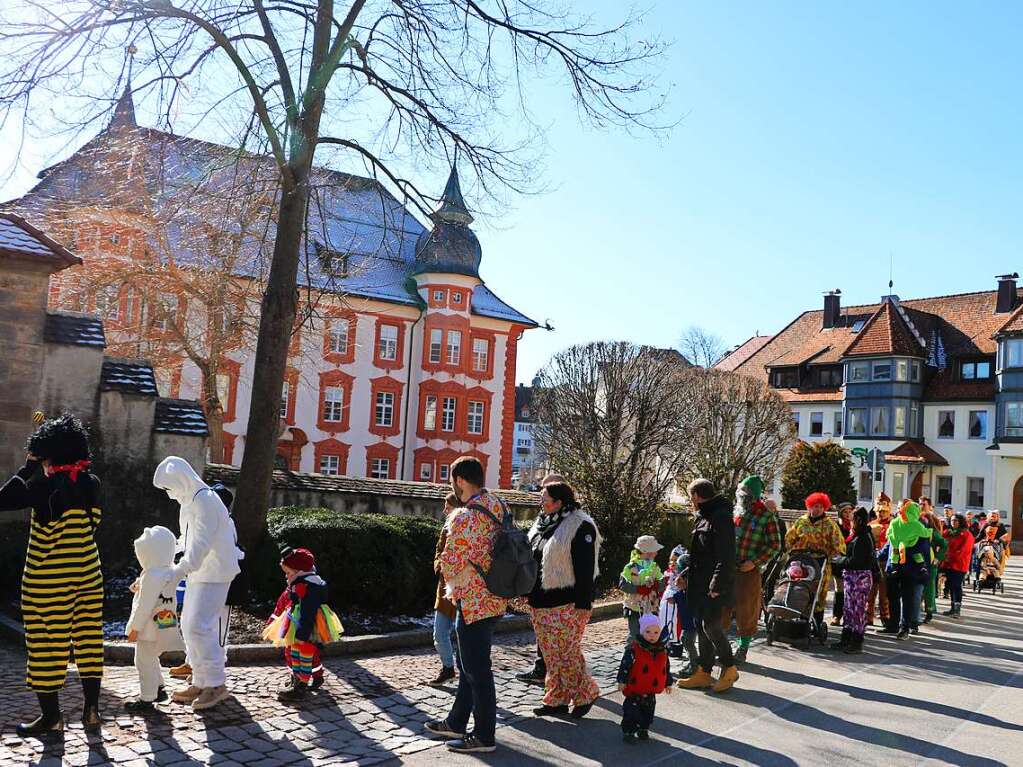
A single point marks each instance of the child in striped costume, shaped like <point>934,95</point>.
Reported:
<point>62,585</point>
<point>308,592</point>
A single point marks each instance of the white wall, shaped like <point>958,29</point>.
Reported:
<point>966,457</point>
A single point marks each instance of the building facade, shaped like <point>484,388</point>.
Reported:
<point>408,360</point>
<point>529,464</point>
<point>933,385</point>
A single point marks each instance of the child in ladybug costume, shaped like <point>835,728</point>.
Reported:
<point>644,673</point>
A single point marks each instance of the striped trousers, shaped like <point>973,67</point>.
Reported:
<point>72,617</point>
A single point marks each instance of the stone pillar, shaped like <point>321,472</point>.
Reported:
<point>23,294</point>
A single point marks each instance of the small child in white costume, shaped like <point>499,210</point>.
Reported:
<point>153,625</point>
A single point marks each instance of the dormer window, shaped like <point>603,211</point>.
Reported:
<point>785,378</point>
<point>456,298</point>
<point>857,326</point>
<point>975,370</point>
<point>332,263</point>
<point>438,296</point>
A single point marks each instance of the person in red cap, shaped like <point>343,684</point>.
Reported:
<point>817,531</point>
<point>307,591</point>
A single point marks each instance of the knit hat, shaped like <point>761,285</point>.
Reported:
<point>754,486</point>
<point>647,620</point>
<point>299,559</point>
<point>647,544</point>
<point>822,498</point>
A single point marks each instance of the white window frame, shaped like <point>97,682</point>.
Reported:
<point>914,419</point>
<point>454,347</point>
<point>475,416</point>
<point>380,468</point>
<point>224,388</point>
<point>901,370</point>
<point>863,367</point>
<point>937,488</point>
<point>887,422</point>
<point>865,481</point>
<point>969,492</point>
<point>388,345</point>
<point>383,409</point>
<point>941,413</point>
<point>1013,355</point>
<point>438,296</point>
<point>285,397</point>
<point>817,419</point>
<point>795,422</point>
<point>983,420</point>
<point>333,407</point>
<point>456,297</point>
<point>339,336</point>
<point>330,465</point>
<point>914,367</point>
<point>1014,429</point>
<point>898,485</point>
<point>436,345</point>
<point>864,416</point>
<point>443,472</point>
<point>447,416</point>
<point>480,354</point>
<point>426,472</point>
<point>838,423</point>
<point>430,413</point>
<point>881,363</point>
<point>899,421</point>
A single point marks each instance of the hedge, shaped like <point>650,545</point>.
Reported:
<point>370,561</point>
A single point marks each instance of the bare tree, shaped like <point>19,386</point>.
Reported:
<point>701,347</point>
<point>611,417</point>
<point>739,427</point>
<point>382,82</point>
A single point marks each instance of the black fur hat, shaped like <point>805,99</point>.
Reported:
<point>62,440</point>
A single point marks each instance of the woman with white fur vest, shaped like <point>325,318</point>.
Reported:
<point>209,564</point>
<point>153,624</point>
<point>566,544</point>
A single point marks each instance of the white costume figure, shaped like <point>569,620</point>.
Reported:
<point>209,564</point>
<point>153,617</point>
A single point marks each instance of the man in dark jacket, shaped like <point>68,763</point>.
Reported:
<point>710,580</point>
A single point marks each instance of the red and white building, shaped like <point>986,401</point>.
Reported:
<point>412,368</point>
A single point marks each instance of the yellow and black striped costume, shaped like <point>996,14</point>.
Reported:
<point>62,586</point>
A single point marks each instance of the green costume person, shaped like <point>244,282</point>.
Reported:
<point>938,548</point>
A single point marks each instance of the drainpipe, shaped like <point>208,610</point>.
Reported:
<point>408,391</point>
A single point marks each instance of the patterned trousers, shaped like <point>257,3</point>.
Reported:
<point>857,585</point>
<point>53,624</point>
<point>559,634</point>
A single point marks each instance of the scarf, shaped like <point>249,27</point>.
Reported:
<point>546,524</point>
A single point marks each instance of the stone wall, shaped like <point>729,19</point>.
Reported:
<point>23,287</point>
<point>70,381</point>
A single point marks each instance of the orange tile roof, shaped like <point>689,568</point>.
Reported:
<point>886,333</point>
<point>966,321</point>
<point>915,452</point>
<point>741,353</point>
<point>810,395</point>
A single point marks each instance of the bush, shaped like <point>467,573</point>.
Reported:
<point>824,467</point>
<point>370,561</point>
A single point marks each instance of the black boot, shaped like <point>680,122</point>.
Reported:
<point>838,608</point>
<point>855,645</point>
<point>447,673</point>
<point>90,709</point>
<point>844,641</point>
<point>49,720</point>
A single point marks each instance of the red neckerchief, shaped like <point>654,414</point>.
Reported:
<point>72,469</point>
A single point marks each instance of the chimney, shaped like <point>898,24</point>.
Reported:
<point>1006,293</point>
<point>832,308</point>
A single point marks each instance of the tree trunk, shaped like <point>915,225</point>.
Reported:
<point>277,318</point>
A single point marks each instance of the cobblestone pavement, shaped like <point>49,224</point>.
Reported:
<point>370,709</point>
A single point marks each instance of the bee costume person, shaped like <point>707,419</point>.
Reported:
<point>62,586</point>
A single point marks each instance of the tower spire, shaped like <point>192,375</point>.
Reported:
<point>124,109</point>
<point>452,206</point>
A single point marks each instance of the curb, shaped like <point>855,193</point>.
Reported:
<point>123,653</point>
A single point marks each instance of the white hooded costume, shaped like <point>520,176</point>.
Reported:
<point>209,563</point>
<point>153,614</point>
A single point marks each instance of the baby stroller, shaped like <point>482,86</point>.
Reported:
<point>989,567</point>
<point>794,601</point>
<point>768,582</point>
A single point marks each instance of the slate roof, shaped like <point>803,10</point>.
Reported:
<point>74,329</point>
<point>19,239</point>
<point>329,484</point>
<point>967,323</point>
<point>349,214</point>
<point>130,376</point>
<point>178,416</point>
<point>741,353</point>
<point>916,453</point>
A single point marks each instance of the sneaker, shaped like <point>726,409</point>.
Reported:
<point>903,633</point>
<point>550,711</point>
<point>317,682</point>
<point>949,612</point>
<point>447,673</point>
<point>181,672</point>
<point>533,676</point>
<point>928,616</point>
<point>643,734</point>
<point>209,697</point>
<point>470,744</point>
<point>441,728</point>
<point>741,651</point>
<point>186,696</point>
<point>914,630</point>
<point>140,706</point>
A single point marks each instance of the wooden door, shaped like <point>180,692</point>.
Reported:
<point>1016,516</point>
<point>916,489</point>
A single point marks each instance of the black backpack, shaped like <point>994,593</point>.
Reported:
<point>513,569</point>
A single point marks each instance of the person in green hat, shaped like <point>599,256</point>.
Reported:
<point>758,540</point>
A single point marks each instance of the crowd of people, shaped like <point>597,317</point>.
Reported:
<point>882,564</point>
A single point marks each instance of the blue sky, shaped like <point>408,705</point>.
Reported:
<point>816,141</point>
